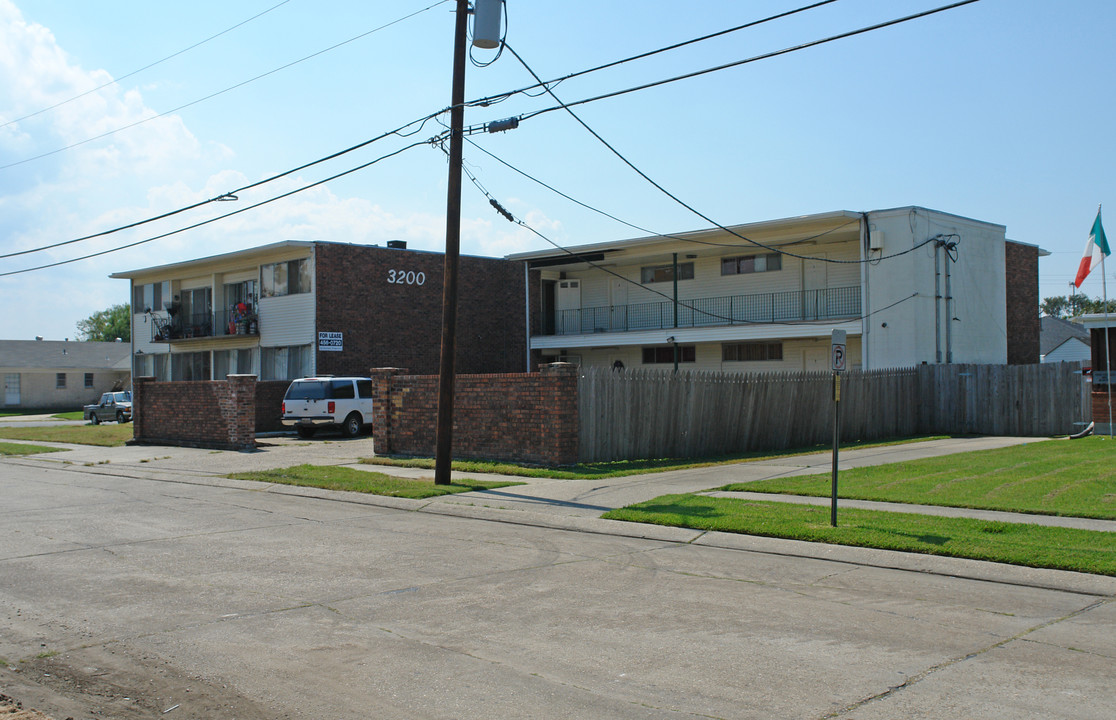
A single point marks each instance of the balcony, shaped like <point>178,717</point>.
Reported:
<point>790,306</point>
<point>179,328</point>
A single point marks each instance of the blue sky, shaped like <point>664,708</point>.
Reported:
<point>1001,111</point>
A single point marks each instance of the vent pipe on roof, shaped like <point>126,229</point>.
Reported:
<point>397,244</point>
<point>39,338</point>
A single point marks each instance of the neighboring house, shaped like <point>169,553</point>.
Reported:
<point>1102,332</point>
<point>293,309</point>
<point>60,375</point>
<point>1064,341</point>
<point>907,285</point>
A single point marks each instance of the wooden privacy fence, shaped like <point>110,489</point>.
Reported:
<point>646,413</point>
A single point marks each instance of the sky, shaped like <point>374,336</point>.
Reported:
<point>1000,111</point>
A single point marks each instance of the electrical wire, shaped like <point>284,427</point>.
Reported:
<point>226,215</point>
<point>221,92</point>
<point>681,304</point>
<point>115,81</point>
<point>491,100</point>
<point>651,233</point>
<point>754,58</point>
<point>694,210</point>
<point>421,122</point>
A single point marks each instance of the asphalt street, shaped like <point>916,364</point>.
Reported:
<point>137,582</point>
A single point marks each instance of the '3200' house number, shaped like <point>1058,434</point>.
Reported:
<point>406,277</point>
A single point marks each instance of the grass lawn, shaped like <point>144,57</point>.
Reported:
<point>7,448</point>
<point>589,471</point>
<point>343,478</point>
<point>1017,544</point>
<point>1049,477</point>
<point>73,415</point>
<point>104,435</point>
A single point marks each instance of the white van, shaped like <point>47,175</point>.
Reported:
<point>317,402</point>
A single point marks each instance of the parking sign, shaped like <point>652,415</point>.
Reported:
<point>837,354</point>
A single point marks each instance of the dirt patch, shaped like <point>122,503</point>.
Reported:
<point>109,682</point>
<point>12,709</point>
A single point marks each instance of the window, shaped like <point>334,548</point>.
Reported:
<point>153,296</point>
<point>285,278</point>
<point>665,355</point>
<point>60,381</point>
<point>665,273</point>
<point>343,389</point>
<point>88,380</point>
<point>751,264</point>
<point>284,363</point>
<point>190,366</point>
<point>751,351</point>
<point>364,388</point>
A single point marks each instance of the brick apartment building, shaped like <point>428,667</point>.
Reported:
<point>292,309</point>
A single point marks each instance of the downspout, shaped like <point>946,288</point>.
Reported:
<point>949,311</point>
<point>527,312</point>
<point>937,304</point>
<point>674,272</point>
<point>132,338</point>
<point>866,305</point>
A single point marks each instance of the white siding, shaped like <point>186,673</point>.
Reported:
<point>1072,350</point>
<point>287,320</point>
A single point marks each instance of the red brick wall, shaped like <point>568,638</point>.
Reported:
<point>1023,323</point>
<point>400,324</point>
<point>1100,407</point>
<point>217,414</point>
<point>517,417</point>
<point>269,405</point>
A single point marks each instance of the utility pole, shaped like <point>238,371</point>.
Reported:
<point>447,366</point>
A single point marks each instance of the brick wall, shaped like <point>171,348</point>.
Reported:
<point>269,405</point>
<point>218,414</point>
<point>518,417</point>
<point>400,323</point>
<point>1023,323</point>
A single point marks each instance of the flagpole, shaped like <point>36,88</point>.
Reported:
<point>1107,360</point>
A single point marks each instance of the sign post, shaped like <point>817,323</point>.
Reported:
<point>837,364</point>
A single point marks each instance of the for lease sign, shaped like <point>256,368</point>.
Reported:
<point>331,341</point>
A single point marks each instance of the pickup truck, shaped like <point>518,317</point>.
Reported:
<point>113,406</point>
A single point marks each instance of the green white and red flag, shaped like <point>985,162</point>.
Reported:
<point>1095,251</point>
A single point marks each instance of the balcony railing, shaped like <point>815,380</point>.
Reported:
<point>789,306</point>
<point>203,325</point>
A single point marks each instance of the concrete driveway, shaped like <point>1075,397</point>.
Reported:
<point>155,589</point>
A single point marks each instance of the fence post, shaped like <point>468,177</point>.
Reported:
<point>382,407</point>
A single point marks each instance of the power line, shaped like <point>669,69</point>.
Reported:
<point>694,210</point>
<point>222,217</point>
<point>221,92</point>
<point>483,102</point>
<point>231,195</point>
<point>754,58</point>
<point>115,81</point>
<point>704,313</point>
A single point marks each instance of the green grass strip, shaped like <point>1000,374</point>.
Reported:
<point>1075,478</point>
<point>73,415</point>
<point>102,435</point>
<point>364,481</point>
<point>1038,546</point>
<point>620,468</point>
<point>7,448</point>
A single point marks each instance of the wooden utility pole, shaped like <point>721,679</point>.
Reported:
<point>447,367</point>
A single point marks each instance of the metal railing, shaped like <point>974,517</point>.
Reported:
<point>202,325</point>
<point>788,306</point>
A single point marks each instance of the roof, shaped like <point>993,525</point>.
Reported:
<point>819,223</point>
<point>1056,330</point>
<point>64,355</point>
<point>261,250</point>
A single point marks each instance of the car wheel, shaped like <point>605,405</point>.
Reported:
<point>352,426</point>
<point>95,419</point>
<point>306,432</point>
<point>120,416</point>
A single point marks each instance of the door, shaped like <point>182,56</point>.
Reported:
<point>11,389</point>
<point>568,304</point>
<point>813,286</point>
<point>618,304</point>
<point>816,359</point>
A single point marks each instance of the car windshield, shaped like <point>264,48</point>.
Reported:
<point>122,397</point>
<point>308,390</point>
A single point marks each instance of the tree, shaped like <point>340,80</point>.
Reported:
<point>1059,306</point>
<point>107,325</point>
